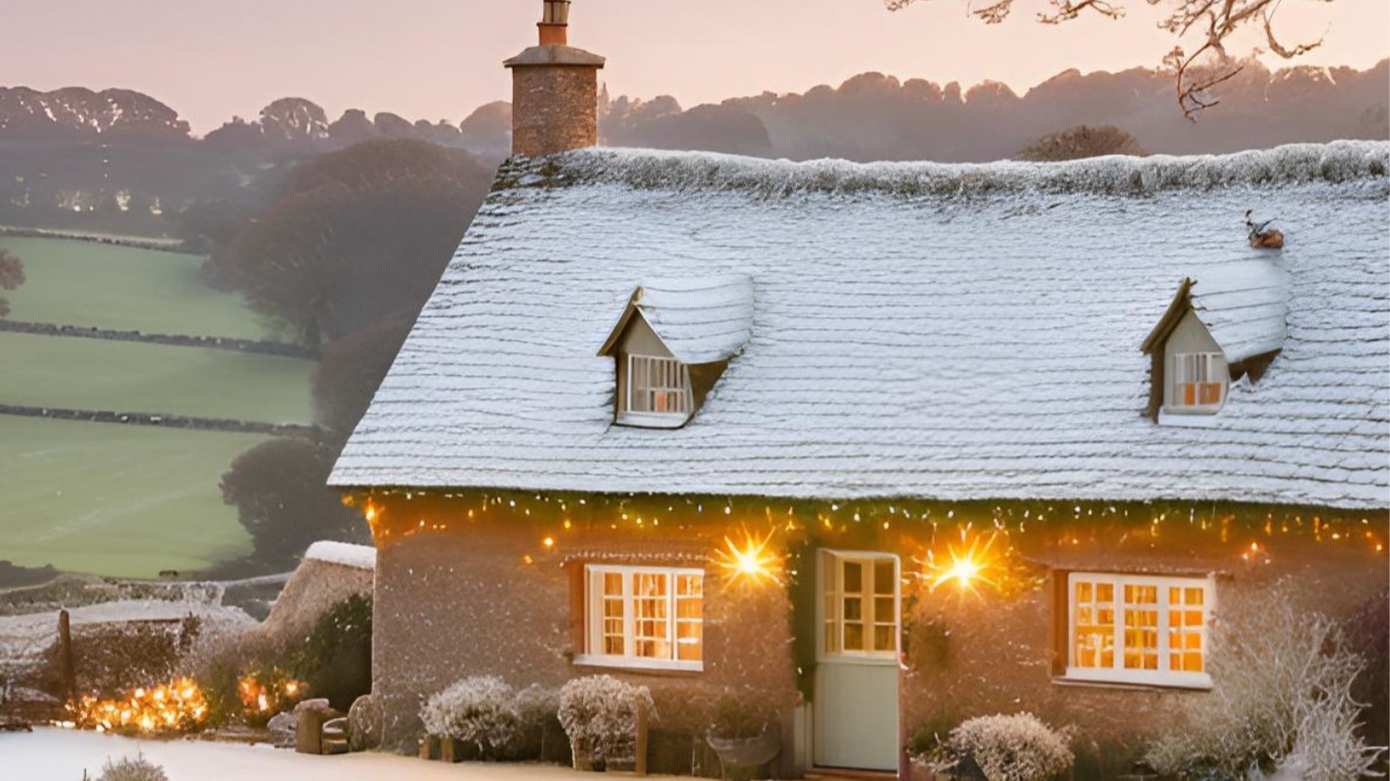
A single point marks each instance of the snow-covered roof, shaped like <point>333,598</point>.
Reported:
<point>929,330</point>
<point>700,320</point>
<point>344,553</point>
<point>1244,306</point>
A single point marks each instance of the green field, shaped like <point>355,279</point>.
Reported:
<point>114,499</point>
<point>39,371</point>
<point>128,500</point>
<point>124,288</point>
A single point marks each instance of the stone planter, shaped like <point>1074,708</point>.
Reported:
<point>453,750</point>
<point>740,758</point>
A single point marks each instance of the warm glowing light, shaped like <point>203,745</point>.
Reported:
<point>177,706</point>
<point>548,542</point>
<point>972,562</point>
<point>750,560</point>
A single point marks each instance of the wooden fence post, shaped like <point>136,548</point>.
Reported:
<point>641,768</point>
<point>67,668</point>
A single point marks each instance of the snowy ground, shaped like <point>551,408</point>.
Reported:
<point>50,754</point>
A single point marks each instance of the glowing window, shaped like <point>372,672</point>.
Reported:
<point>644,617</point>
<point>658,386</point>
<point>1199,382</point>
<point>1138,629</point>
<point>859,605</point>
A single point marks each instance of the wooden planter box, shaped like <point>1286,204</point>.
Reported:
<point>429,747</point>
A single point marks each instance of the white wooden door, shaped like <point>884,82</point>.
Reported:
<point>856,698</point>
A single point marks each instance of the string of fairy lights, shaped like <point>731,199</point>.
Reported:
<point>969,544</point>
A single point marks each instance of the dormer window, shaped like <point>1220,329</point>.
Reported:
<point>1229,323</point>
<point>672,343</point>
<point>658,386</point>
<point>1199,382</point>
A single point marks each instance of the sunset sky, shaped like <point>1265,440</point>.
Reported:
<point>210,59</point>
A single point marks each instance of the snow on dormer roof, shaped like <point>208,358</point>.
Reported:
<point>700,320</point>
<point>1244,306</point>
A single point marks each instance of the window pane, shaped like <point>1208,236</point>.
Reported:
<point>883,576</point>
<point>854,609</point>
<point>651,629</point>
<point>885,638</point>
<point>1186,618</point>
<point>854,577</point>
<point>883,610</point>
<point>689,640</point>
<point>1141,627</point>
<point>612,630</point>
<point>854,636</point>
<point>1093,642</point>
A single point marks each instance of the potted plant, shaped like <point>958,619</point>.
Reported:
<point>745,735</point>
<point>602,716</point>
<point>1019,747</point>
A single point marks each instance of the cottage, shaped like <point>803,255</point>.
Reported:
<point>882,446</point>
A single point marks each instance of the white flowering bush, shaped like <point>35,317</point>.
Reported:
<point>480,710</point>
<point>1281,700</point>
<point>132,769</point>
<point>1006,748</point>
<point>599,714</point>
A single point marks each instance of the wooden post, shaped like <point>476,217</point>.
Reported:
<point>641,768</point>
<point>67,668</point>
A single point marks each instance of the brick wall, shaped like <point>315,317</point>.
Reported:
<point>554,109</point>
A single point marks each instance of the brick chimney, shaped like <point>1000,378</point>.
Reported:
<point>554,90</point>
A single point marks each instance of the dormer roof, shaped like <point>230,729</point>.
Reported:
<point>700,320</point>
<point>1244,305</point>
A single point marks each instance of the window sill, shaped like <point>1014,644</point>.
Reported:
<point>651,420</point>
<point>1197,683</point>
<point>638,665</point>
<point>1189,418</point>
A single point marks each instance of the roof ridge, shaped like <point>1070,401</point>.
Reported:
<point>1336,162</point>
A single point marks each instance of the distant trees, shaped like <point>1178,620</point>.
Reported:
<point>11,277</point>
<point>1080,142</point>
<point>279,490</point>
<point>1196,73</point>
<point>357,237</point>
<point>350,370</point>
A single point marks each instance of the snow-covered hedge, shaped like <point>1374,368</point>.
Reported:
<point>599,713</point>
<point>1007,748</point>
<point>481,710</point>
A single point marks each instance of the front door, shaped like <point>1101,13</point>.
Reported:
<point>856,698</point>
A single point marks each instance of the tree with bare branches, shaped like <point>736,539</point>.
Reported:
<point>1196,73</point>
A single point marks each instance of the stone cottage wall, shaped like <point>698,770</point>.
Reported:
<point>984,653</point>
<point>491,600</point>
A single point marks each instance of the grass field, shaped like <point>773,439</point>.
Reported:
<point>114,499</point>
<point>135,377</point>
<point>124,288</point>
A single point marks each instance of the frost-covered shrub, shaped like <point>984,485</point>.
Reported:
<point>136,769</point>
<point>1007,748</point>
<point>538,709</point>
<point>480,710</point>
<point>599,713</point>
<point>1281,700</point>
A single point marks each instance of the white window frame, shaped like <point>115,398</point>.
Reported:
<point>1163,676</point>
<point>837,558</point>
<point>1214,363</point>
<point>593,619</point>
<point>682,390</point>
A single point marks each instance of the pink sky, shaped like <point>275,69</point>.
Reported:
<point>210,59</point>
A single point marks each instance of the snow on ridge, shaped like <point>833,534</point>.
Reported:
<point>1337,161</point>
<point>346,554</point>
